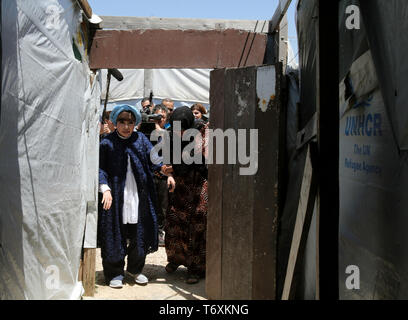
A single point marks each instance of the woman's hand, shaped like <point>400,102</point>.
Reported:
<point>106,128</point>
<point>107,200</point>
<point>171,184</point>
<point>166,170</point>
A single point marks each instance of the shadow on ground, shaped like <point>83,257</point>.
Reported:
<point>161,286</point>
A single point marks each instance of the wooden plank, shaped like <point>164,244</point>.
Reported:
<point>283,42</point>
<point>143,49</point>
<point>279,14</point>
<point>213,278</point>
<point>308,133</point>
<point>86,8</point>
<point>88,274</point>
<point>81,263</point>
<point>248,205</point>
<point>302,224</point>
<point>143,23</point>
<point>238,198</point>
<point>267,186</point>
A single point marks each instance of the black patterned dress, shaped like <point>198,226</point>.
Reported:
<point>186,218</point>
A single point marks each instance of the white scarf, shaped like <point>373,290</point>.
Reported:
<point>130,210</point>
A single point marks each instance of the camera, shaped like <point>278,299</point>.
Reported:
<point>148,123</point>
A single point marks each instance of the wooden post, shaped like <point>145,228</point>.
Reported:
<point>283,43</point>
<point>301,230</point>
<point>81,269</point>
<point>213,277</point>
<point>86,8</point>
<point>88,271</point>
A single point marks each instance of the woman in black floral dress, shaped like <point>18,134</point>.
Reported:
<point>186,219</point>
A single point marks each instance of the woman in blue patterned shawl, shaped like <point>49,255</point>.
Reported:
<point>127,208</point>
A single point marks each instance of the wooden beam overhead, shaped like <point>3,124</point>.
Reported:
<point>148,49</point>
<point>143,23</point>
<point>279,14</point>
<point>86,8</point>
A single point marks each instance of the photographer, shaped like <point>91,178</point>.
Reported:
<point>147,104</point>
<point>160,180</point>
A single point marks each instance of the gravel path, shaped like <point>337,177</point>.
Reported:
<point>161,286</point>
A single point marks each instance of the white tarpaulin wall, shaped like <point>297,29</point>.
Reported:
<point>190,85</point>
<point>48,149</point>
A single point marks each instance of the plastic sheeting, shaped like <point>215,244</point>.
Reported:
<point>373,166</point>
<point>373,169</point>
<point>306,28</point>
<point>177,84</point>
<point>301,107</point>
<point>48,149</point>
<point>388,39</point>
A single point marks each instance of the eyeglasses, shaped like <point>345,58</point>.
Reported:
<point>147,106</point>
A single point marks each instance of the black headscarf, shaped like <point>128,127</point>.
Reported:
<point>184,115</point>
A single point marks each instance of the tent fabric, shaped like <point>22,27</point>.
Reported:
<point>302,90</point>
<point>373,168</point>
<point>130,88</point>
<point>48,149</point>
<point>306,29</point>
<point>191,85</point>
<point>388,39</point>
<point>373,162</point>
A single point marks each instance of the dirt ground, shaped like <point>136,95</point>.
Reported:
<point>161,286</point>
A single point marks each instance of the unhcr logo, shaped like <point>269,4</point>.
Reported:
<point>192,152</point>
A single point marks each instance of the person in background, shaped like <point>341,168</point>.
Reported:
<point>199,111</point>
<point>147,105</point>
<point>127,210</point>
<point>106,125</point>
<point>160,180</point>
<point>186,218</point>
<point>170,107</point>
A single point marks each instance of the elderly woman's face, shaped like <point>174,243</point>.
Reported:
<point>197,114</point>
<point>125,124</point>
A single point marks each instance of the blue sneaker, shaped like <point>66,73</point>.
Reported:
<point>116,282</point>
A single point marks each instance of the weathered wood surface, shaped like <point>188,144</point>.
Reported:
<point>250,203</point>
<point>145,49</point>
<point>88,271</point>
<point>86,8</point>
<point>143,23</point>
<point>215,194</point>
<point>303,218</point>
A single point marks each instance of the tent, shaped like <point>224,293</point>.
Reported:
<point>48,149</point>
<point>373,162</point>
<point>183,86</point>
